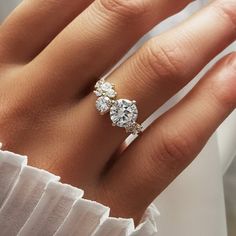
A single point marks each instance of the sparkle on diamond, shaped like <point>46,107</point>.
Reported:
<point>103,104</point>
<point>123,112</point>
<point>105,89</point>
<point>106,86</point>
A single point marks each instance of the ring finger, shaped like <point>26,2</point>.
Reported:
<point>154,160</point>
<point>158,70</point>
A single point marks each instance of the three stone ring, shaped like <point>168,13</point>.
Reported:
<point>123,112</point>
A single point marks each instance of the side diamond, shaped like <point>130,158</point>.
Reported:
<point>98,92</point>
<point>99,83</point>
<point>111,93</point>
<point>103,88</point>
<point>103,104</point>
<point>106,86</point>
<point>134,128</point>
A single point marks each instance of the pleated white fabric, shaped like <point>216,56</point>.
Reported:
<point>22,200</point>
<point>10,166</point>
<point>34,203</point>
<point>84,218</point>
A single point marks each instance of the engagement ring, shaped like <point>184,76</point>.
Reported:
<point>123,112</point>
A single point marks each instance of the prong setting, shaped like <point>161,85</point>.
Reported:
<point>123,112</point>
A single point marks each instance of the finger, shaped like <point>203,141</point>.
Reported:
<point>96,39</point>
<point>33,24</point>
<point>152,76</point>
<point>168,62</point>
<point>151,162</point>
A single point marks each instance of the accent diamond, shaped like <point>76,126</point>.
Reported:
<point>98,92</point>
<point>106,86</point>
<point>111,93</point>
<point>134,128</point>
<point>103,104</point>
<point>103,88</point>
<point>123,112</point>
<point>99,83</point>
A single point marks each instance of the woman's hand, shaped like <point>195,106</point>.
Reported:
<point>52,53</point>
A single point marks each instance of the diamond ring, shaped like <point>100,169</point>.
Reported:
<point>123,112</point>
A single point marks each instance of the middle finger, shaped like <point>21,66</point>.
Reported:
<point>95,40</point>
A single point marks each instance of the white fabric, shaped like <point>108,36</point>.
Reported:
<point>194,203</point>
<point>85,216</point>
<point>23,198</point>
<point>116,227</point>
<point>36,204</point>
<point>9,170</point>
<point>51,210</point>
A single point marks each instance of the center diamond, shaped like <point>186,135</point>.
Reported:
<point>123,112</point>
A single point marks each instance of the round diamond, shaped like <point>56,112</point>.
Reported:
<point>106,86</point>
<point>103,104</point>
<point>111,93</point>
<point>98,92</point>
<point>123,112</point>
<point>134,128</point>
<point>99,83</point>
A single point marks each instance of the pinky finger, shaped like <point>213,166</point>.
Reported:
<point>158,156</point>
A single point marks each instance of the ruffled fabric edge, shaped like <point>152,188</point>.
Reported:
<point>44,206</point>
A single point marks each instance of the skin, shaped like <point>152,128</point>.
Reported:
<point>51,54</point>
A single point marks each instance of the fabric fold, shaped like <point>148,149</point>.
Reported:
<point>115,227</point>
<point>36,204</point>
<point>51,210</point>
<point>84,218</point>
<point>23,199</point>
<point>10,167</point>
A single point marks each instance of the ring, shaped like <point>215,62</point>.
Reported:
<point>123,112</point>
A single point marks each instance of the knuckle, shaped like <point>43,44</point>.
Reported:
<point>164,61</point>
<point>223,86</point>
<point>231,62</point>
<point>227,10</point>
<point>126,8</point>
<point>176,147</point>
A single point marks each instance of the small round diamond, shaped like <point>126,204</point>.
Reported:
<point>99,83</point>
<point>103,104</point>
<point>111,93</point>
<point>123,112</point>
<point>106,86</point>
<point>98,92</point>
<point>134,128</point>
<point>105,89</point>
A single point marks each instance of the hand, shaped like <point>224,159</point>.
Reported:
<point>52,53</point>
